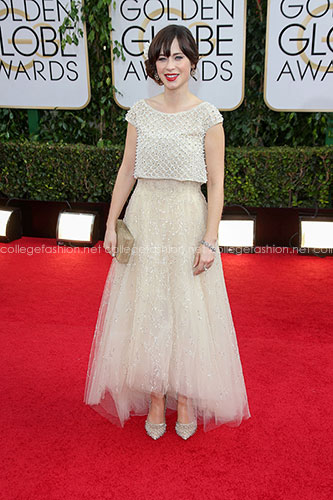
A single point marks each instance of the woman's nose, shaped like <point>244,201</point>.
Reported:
<point>170,64</point>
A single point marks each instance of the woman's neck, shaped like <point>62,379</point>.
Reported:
<point>178,98</point>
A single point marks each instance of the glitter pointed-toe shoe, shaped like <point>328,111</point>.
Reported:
<point>186,430</point>
<point>156,431</point>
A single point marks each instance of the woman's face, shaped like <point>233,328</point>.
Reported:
<point>174,71</point>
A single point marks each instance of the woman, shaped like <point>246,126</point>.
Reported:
<point>165,339</point>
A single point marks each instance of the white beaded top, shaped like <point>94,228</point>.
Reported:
<point>171,145</point>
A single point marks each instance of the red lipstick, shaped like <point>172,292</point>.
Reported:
<point>171,77</point>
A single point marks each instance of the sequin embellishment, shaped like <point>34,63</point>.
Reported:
<point>171,145</point>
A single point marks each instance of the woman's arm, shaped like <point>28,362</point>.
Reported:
<point>214,150</point>
<point>125,180</point>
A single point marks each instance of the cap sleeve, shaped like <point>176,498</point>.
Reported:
<point>213,117</point>
<point>131,115</point>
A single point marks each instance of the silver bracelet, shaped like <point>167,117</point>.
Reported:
<point>208,245</point>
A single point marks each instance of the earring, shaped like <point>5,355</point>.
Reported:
<point>192,72</point>
<point>156,76</point>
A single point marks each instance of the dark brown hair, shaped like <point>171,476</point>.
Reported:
<point>163,40</point>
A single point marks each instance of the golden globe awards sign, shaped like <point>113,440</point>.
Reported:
<point>35,72</point>
<point>218,28</point>
<point>299,55</point>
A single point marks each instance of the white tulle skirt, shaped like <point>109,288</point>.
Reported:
<point>160,328</point>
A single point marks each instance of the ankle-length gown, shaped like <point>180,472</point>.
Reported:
<point>160,327</point>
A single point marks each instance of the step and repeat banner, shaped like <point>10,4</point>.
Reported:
<point>219,28</point>
<point>35,72</point>
<point>299,55</point>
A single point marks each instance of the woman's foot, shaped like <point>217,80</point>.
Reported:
<point>157,408</point>
<point>155,424</point>
<point>183,416</point>
<point>186,424</point>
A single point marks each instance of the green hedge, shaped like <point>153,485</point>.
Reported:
<point>262,177</point>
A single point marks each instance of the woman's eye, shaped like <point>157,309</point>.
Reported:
<point>179,57</point>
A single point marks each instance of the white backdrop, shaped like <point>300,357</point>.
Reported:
<point>219,28</point>
<point>34,71</point>
<point>299,55</point>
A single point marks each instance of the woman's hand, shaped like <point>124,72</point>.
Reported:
<point>204,256</point>
<point>110,241</point>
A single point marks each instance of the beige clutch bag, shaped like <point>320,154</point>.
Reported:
<point>125,241</point>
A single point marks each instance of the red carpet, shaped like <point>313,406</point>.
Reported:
<point>53,446</point>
